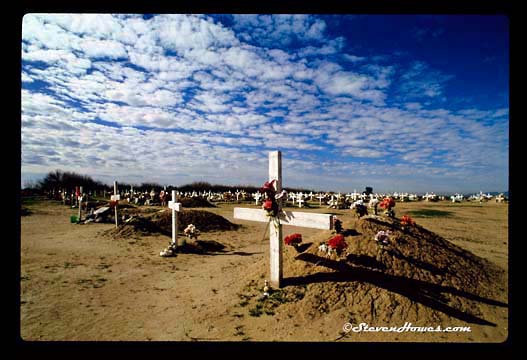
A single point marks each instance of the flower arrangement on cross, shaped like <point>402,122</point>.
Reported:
<point>271,204</point>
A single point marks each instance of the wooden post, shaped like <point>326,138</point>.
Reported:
<point>174,221</point>
<point>115,194</point>
<point>79,198</point>
<point>176,207</point>
<point>275,229</point>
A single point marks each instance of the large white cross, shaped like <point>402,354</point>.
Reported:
<point>176,207</point>
<point>294,218</point>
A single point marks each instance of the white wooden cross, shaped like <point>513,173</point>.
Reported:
<point>332,202</point>
<point>300,201</point>
<point>294,218</point>
<point>176,207</point>
<point>115,197</point>
<point>320,197</point>
<point>355,195</point>
<point>292,196</point>
<point>257,196</point>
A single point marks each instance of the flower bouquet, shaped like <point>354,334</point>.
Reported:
<point>337,225</point>
<point>388,204</point>
<point>169,251</point>
<point>270,205</point>
<point>407,221</point>
<point>191,231</point>
<point>293,240</point>
<point>360,208</point>
<point>383,239</point>
<point>335,245</point>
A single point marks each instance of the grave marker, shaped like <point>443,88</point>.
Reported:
<point>176,207</point>
<point>257,196</point>
<point>320,197</point>
<point>300,199</point>
<point>115,197</point>
<point>294,218</point>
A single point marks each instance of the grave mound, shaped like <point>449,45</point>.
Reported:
<point>134,227</point>
<point>203,220</point>
<point>420,277</point>
<point>161,222</point>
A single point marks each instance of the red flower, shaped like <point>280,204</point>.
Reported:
<point>268,187</point>
<point>337,243</point>
<point>387,203</point>
<point>268,205</point>
<point>293,239</point>
<point>406,220</point>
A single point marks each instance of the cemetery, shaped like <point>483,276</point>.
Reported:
<point>262,265</point>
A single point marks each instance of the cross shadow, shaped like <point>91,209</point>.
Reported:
<point>365,261</point>
<point>350,232</point>
<point>210,248</point>
<point>243,253</point>
<point>421,264</point>
<point>430,295</point>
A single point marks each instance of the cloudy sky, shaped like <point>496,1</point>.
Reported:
<point>399,103</point>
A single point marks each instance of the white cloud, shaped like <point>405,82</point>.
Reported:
<point>180,33</point>
<point>270,30</point>
<point>421,81</point>
<point>104,48</point>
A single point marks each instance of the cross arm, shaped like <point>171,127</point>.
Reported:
<point>293,218</point>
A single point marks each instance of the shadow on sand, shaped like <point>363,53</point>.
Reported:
<point>428,294</point>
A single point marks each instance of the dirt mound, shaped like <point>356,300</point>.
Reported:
<point>419,277</point>
<point>195,202</point>
<point>203,220</point>
<point>134,227</point>
<point>161,222</point>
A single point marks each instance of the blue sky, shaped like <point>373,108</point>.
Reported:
<point>399,103</point>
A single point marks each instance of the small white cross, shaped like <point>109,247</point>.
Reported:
<point>257,196</point>
<point>176,207</point>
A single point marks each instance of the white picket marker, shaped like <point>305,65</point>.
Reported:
<point>257,196</point>
<point>79,200</point>
<point>176,207</point>
<point>115,197</point>
<point>294,218</point>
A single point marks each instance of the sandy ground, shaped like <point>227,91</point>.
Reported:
<point>79,284</point>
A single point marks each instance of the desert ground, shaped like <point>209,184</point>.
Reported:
<point>79,282</point>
